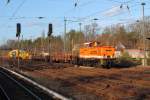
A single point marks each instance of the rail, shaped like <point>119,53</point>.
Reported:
<point>50,92</point>
<point>3,92</point>
<point>22,86</point>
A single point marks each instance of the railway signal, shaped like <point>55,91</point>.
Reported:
<point>50,29</point>
<point>18,30</point>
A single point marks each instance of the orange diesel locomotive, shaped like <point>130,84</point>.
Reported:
<point>94,54</point>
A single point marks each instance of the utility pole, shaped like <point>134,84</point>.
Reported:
<point>49,49</point>
<point>50,31</point>
<point>22,45</point>
<point>144,35</point>
<point>18,36</point>
<point>18,57</point>
<point>65,27</point>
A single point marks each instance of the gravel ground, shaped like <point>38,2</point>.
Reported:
<point>85,83</point>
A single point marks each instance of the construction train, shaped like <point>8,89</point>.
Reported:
<point>90,53</point>
<point>21,54</point>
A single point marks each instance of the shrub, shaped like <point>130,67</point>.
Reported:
<point>126,61</point>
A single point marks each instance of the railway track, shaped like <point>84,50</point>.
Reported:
<point>14,88</point>
<point>3,94</point>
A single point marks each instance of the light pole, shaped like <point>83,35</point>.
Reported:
<point>95,19</point>
<point>65,27</point>
<point>144,35</point>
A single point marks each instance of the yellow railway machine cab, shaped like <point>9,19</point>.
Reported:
<point>22,54</point>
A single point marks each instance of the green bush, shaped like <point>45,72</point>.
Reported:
<point>127,61</point>
<point>125,57</point>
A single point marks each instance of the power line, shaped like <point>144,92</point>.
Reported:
<point>77,5</point>
<point>123,2</point>
<point>98,12</point>
<point>38,17</point>
<point>115,1</point>
<point>18,8</point>
<point>15,12</point>
<point>87,3</point>
<point>101,12</point>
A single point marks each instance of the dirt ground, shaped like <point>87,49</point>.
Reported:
<point>85,83</point>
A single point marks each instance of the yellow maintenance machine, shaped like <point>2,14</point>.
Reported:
<point>22,54</point>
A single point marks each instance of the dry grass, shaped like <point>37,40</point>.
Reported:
<point>97,83</point>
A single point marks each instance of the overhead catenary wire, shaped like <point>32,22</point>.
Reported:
<point>103,17</point>
<point>98,12</point>
<point>95,13</point>
<point>84,4</point>
<point>79,18</point>
<point>15,12</point>
<point>122,2</point>
<point>77,5</point>
<point>38,17</point>
<point>77,0</point>
<point>18,8</point>
<point>86,18</point>
<point>101,12</point>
